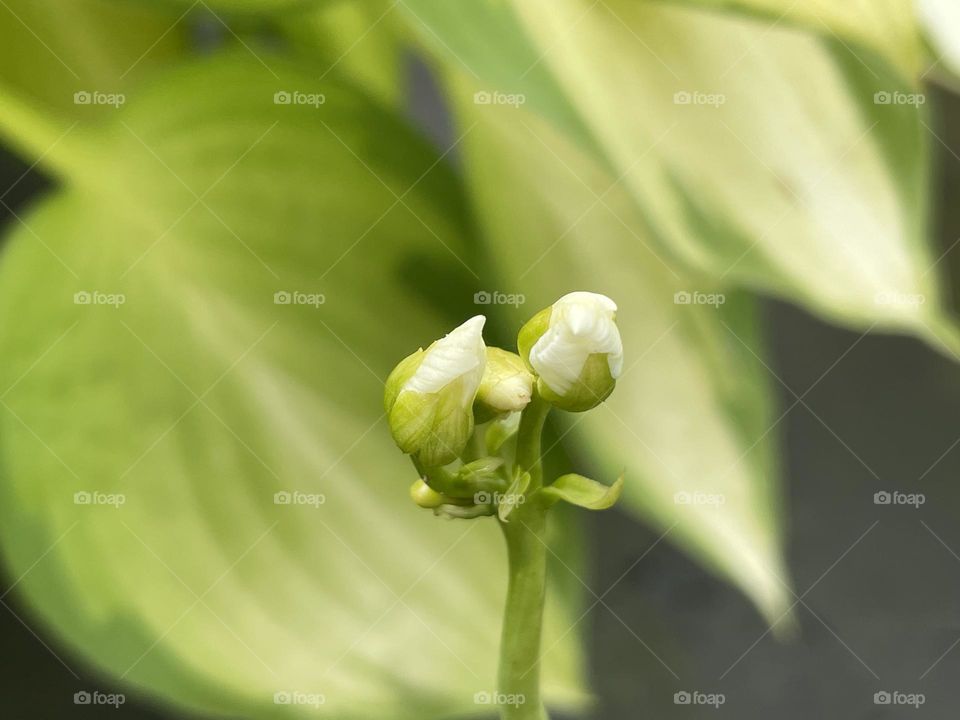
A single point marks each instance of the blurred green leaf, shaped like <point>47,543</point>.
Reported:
<point>757,155</point>
<point>941,20</point>
<point>360,41</point>
<point>51,50</point>
<point>690,417</point>
<point>886,28</point>
<point>269,259</point>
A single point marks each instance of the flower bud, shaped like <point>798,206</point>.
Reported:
<point>574,347</point>
<point>429,395</point>
<point>507,385</point>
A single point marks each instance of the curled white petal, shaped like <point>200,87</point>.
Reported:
<point>459,354</point>
<point>581,324</point>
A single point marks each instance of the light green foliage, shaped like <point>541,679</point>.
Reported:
<point>240,324</point>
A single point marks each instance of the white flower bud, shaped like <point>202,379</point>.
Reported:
<point>429,395</point>
<point>507,385</point>
<point>575,348</point>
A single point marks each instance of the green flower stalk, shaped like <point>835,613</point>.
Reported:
<point>471,417</point>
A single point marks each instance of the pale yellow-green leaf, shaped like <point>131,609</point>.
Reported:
<point>246,279</point>
<point>756,155</point>
<point>886,27</point>
<point>690,414</point>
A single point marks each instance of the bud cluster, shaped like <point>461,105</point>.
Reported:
<point>456,400</point>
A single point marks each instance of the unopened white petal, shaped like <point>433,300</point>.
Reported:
<point>460,353</point>
<point>581,324</point>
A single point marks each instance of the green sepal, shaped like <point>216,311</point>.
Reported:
<point>463,512</point>
<point>582,492</point>
<point>532,331</point>
<point>592,387</point>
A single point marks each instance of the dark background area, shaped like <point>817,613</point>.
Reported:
<point>875,614</point>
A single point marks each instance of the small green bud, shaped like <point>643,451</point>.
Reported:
<point>429,395</point>
<point>575,349</point>
<point>507,385</point>
<point>425,496</point>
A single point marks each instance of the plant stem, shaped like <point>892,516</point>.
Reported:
<point>519,674</point>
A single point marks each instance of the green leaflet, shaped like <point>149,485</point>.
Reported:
<point>757,155</point>
<point>690,377</point>
<point>269,279</point>
<point>584,492</point>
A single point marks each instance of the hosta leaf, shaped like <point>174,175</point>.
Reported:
<point>887,28</point>
<point>760,155</point>
<point>356,40</point>
<point>248,273</point>
<point>690,415</point>
<point>941,19</point>
<point>51,49</point>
